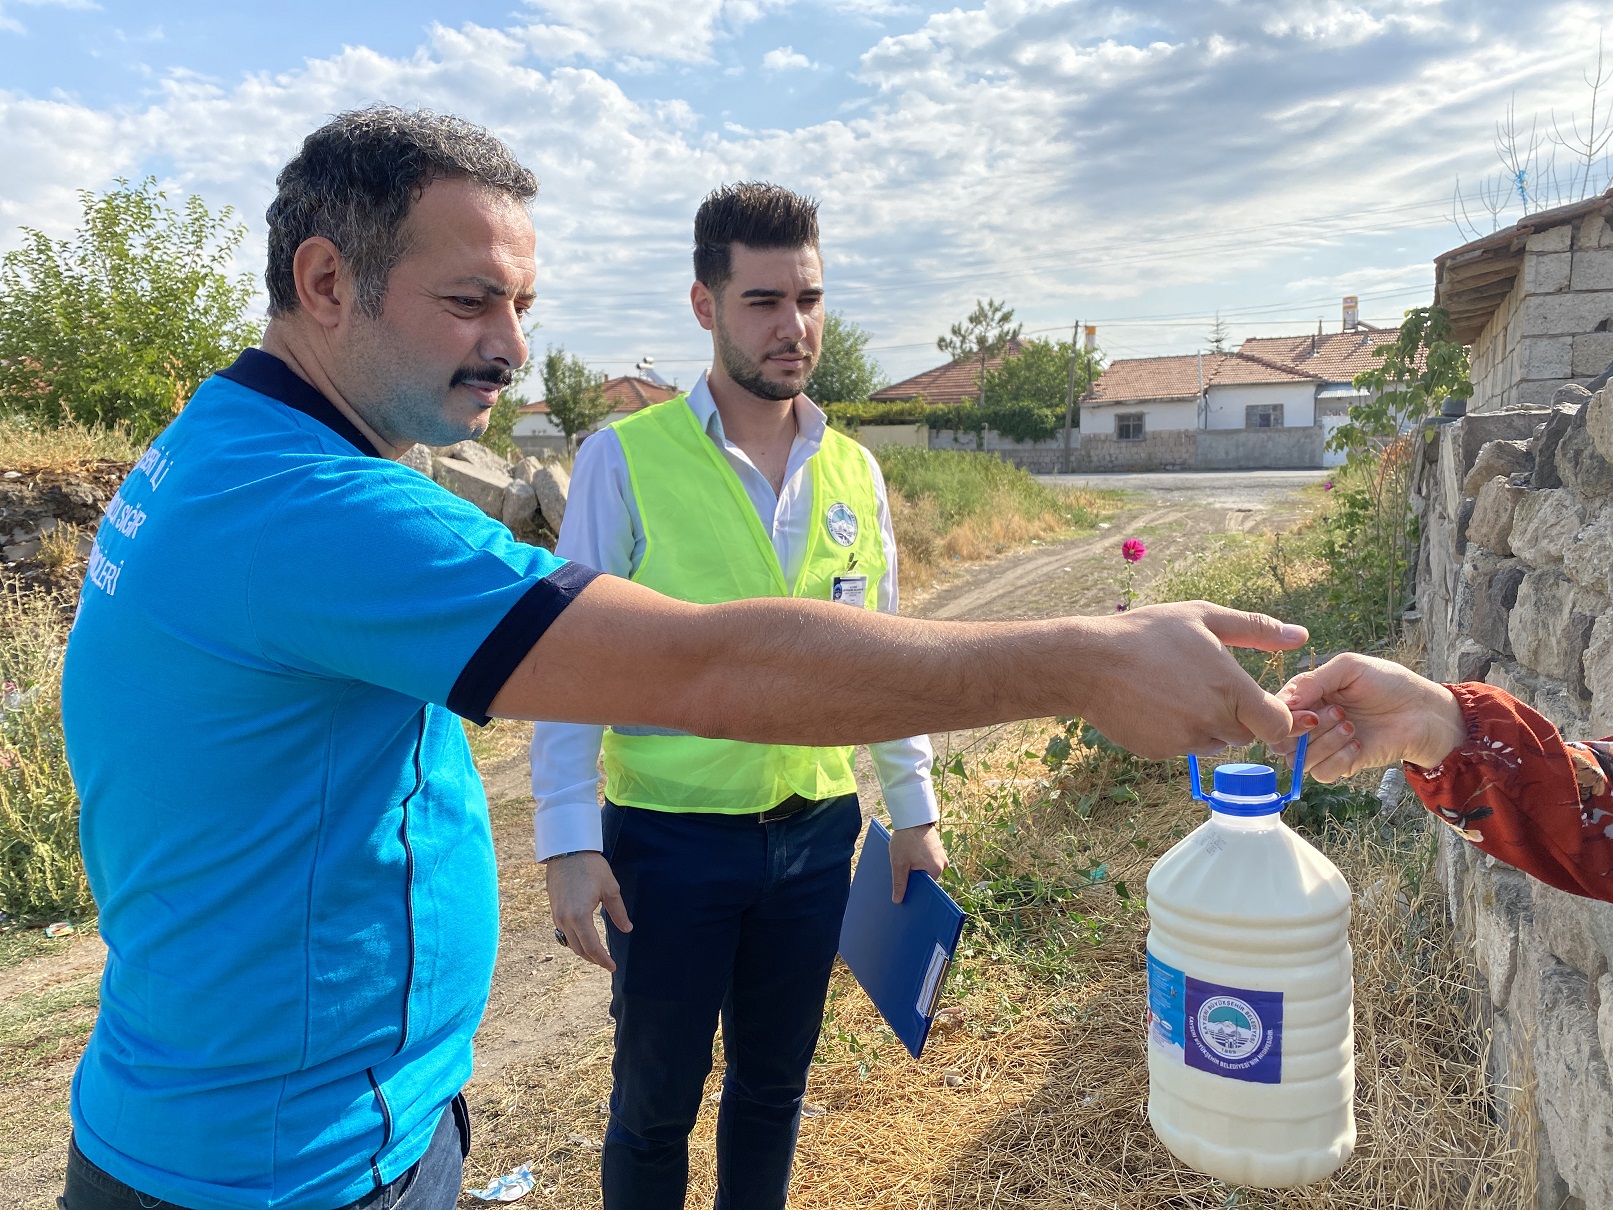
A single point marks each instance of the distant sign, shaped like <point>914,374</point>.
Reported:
<point>1352,311</point>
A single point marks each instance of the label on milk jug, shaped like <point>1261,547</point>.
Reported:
<point>1226,1031</point>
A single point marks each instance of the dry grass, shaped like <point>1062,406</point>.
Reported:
<point>29,446</point>
<point>1050,1108</point>
<point>927,542</point>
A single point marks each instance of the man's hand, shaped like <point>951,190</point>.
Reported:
<point>1167,684</point>
<point>578,884</point>
<point>1368,713</point>
<point>916,848</point>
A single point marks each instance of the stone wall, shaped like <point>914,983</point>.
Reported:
<point>1516,513</point>
<point>1554,325</point>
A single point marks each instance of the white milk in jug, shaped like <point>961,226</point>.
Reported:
<point>1251,1046</point>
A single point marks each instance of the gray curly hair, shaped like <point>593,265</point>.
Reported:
<point>355,180</point>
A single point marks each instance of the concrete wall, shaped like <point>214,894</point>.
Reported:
<point>1226,404</point>
<point>873,435</point>
<point>1258,449</point>
<point>1516,515</point>
<point>1554,326</point>
<point>1159,450</point>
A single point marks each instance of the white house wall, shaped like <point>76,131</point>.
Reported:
<point>1158,415</point>
<point>1227,403</point>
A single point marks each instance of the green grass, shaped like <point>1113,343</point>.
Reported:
<point>41,870</point>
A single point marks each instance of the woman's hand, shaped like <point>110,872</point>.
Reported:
<point>1364,713</point>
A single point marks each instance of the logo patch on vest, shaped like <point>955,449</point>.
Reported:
<point>842,523</point>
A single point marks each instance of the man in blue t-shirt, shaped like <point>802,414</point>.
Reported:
<point>280,631</point>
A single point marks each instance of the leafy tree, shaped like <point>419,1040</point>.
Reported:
<point>119,323</point>
<point>1371,534</point>
<point>1040,374</point>
<point>845,373</point>
<point>574,393</point>
<point>985,334</point>
<point>1423,367</point>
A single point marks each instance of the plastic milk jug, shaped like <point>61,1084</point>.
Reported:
<point>1251,1038</point>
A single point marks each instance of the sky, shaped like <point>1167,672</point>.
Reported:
<point>1139,166</point>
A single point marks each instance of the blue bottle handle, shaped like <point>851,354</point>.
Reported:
<point>1294,786</point>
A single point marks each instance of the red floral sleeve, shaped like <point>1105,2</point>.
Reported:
<point>1520,792</point>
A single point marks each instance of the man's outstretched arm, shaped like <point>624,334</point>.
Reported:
<point>1158,680</point>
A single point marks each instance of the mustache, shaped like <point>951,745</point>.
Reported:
<point>799,349</point>
<point>483,376</point>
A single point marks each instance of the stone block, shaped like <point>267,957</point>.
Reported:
<point>1547,272</point>
<point>1557,425</point>
<point>1562,924</point>
<point>1594,232</point>
<point>1493,512</point>
<point>1593,270</point>
<point>1598,666</point>
<point>1589,557</point>
<point>1544,525</point>
<point>1501,915</point>
<point>1539,392</point>
<point>1572,1088</point>
<point>520,503</point>
<point>1553,239</point>
<point>1558,704</point>
<point>1504,458</point>
<point>1470,661</point>
<point>1510,678</point>
<point>1592,352</point>
<point>1464,515</point>
<point>1492,602</point>
<point>552,484</point>
<point>477,454</point>
<point>1570,394</point>
<point>1565,314</point>
<point>417,457</point>
<point>484,489</point>
<point>526,469</point>
<point>1547,637</point>
<point>1472,581</point>
<point>1581,468</point>
<point>1599,422</point>
<point>1546,356</point>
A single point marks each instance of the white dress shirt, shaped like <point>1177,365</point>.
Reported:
<point>603,529</point>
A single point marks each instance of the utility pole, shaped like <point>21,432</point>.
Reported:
<point>1069,394</point>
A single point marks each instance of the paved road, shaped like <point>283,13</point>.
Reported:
<point>1209,489</point>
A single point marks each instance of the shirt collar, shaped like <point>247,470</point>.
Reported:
<point>268,375</point>
<point>810,419</point>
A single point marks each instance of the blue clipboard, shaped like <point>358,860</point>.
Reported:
<point>899,952</point>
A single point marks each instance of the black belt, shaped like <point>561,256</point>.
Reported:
<point>793,805</point>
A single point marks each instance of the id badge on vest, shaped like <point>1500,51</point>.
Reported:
<point>850,590</point>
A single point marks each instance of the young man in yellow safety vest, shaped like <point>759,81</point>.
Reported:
<point>724,866</point>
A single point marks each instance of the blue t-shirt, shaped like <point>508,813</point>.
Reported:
<point>283,829</point>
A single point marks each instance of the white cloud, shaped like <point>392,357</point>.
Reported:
<point>11,25</point>
<point>647,29</point>
<point>785,58</point>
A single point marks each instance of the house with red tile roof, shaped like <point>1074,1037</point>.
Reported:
<point>958,381</point>
<point>1272,403</point>
<point>535,429</point>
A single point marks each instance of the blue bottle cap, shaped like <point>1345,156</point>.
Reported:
<point>1242,789</point>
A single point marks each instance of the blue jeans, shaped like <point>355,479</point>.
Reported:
<point>734,919</point>
<point>432,1184</point>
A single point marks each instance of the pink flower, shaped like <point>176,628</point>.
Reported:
<point>1328,486</point>
<point>1132,550</point>
<point>1122,607</point>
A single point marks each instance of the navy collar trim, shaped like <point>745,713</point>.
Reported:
<point>268,375</point>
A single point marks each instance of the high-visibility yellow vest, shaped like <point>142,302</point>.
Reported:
<point>704,542</point>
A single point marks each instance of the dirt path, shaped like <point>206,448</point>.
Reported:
<point>547,1008</point>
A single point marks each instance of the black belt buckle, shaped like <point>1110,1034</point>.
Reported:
<point>793,805</point>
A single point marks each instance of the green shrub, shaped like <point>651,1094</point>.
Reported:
<point>966,485</point>
<point>121,322</point>
<point>41,870</point>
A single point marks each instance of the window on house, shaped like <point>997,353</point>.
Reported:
<point>1129,426</point>
<point>1263,416</point>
